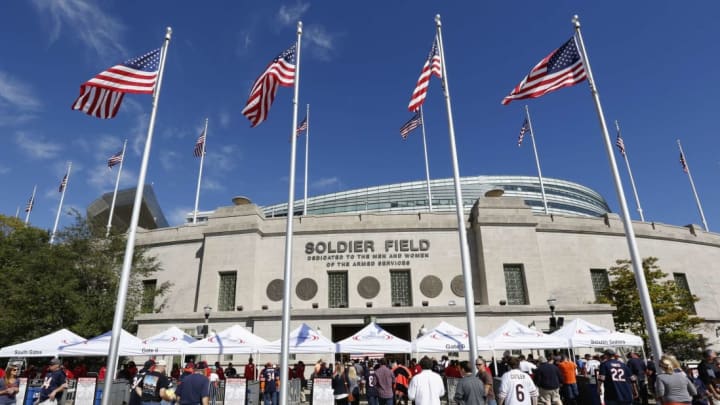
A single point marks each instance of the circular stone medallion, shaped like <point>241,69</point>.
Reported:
<point>306,289</point>
<point>431,286</point>
<point>457,285</point>
<point>368,287</point>
<point>275,290</point>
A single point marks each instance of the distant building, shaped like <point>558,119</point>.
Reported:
<point>151,215</point>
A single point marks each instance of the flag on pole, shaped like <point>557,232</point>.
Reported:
<point>115,159</point>
<point>525,128</point>
<point>280,72</point>
<point>302,127</point>
<point>30,204</point>
<point>562,68</point>
<point>683,162</point>
<point>63,183</point>
<point>620,144</point>
<point>199,145</point>
<point>432,66</point>
<point>409,126</point>
<point>102,95</point>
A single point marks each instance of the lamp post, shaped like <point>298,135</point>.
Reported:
<point>553,320</point>
<point>206,310</point>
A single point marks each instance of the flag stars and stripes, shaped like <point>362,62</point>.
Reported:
<point>30,204</point>
<point>199,149</point>
<point>524,129</point>
<point>409,126</point>
<point>115,159</point>
<point>433,66</point>
<point>280,72</point>
<point>102,95</point>
<point>620,144</point>
<point>683,163</point>
<point>562,68</point>
<point>302,127</point>
<point>63,183</point>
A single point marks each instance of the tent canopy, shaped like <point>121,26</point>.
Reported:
<point>233,340</point>
<point>581,333</point>
<point>130,345</point>
<point>373,339</point>
<point>170,341</point>
<point>44,346</point>
<point>304,339</point>
<point>447,338</point>
<point>514,335</point>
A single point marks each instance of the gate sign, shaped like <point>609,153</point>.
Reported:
<point>85,391</point>
<point>235,391</point>
<point>322,393</point>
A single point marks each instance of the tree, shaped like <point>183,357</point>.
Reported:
<point>673,308</point>
<point>71,284</point>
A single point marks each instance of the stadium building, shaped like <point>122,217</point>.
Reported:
<point>378,253</point>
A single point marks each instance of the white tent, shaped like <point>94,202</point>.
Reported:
<point>171,341</point>
<point>373,339</point>
<point>513,335</point>
<point>44,346</point>
<point>233,340</point>
<point>447,338</point>
<point>130,345</point>
<point>304,339</point>
<point>581,333</point>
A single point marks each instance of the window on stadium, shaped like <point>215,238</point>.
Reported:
<point>337,289</point>
<point>682,284</point>
<point>148,298</point>
<point>600,282</point>
<point>400,290</point>
<point>226,292</point>
<point>515,286</point>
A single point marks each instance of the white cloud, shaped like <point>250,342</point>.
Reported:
<point>4,170</point>
<point>211,185</point>
<point>103,179</point>
<point>168,159</point>
<point>92,26</point>
<point>222,159</point>
<point>139,134</point>
<point>37,147</point>
<point>224,119</point>
<point>177,215</point>
<point>320,43</point>
<point>289,15</point>
<point>326,182</point>
<point>15,93</point>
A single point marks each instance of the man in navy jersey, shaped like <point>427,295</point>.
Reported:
<point>269,381</point>
<point>371,385</point>
<point>617,380</point>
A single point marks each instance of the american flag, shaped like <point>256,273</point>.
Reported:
<point>63,183</point>
<point>30,204</point>
<point>115,159</point>
<point>199,145</point>
<point>620,144</point>
<point>102,95</point>
<point>280,72</point>
<point>414,122</point>
<point>433,66</point>
<point>683,162</point>
<point>525,128</point>
<point>302,127</point>
<point>562,68</point>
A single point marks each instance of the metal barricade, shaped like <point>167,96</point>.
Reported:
<point>294,395</point>
<point>69,393</point>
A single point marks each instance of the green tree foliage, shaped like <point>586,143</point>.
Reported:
<point>71,284</point>
<point>673,308</point>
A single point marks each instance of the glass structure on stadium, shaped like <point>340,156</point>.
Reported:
<point>564,197</point>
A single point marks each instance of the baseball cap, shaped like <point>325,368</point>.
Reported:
<point>149,363</point>
<point>542,359</point>
<point>609,352</point>
<point>161,363</point>
<point>55,361</point>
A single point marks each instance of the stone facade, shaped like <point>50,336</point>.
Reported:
<point>554,254</point>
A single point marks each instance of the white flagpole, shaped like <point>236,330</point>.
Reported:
<point>62,197</point>
<point>202,159</point>
<point>17,212</point>
<point>537,160</point>
<point>130,246</point>
<point>632,180</point>
<point>32,205</point>
<point>287,275</point>
<point>692,184</point>
<point>117,184</point>
<point>427,165</point>
<point>635,257</point>
<point>307,143</point>
<point>465,255</point>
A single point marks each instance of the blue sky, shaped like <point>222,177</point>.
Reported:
<point>655,68</point>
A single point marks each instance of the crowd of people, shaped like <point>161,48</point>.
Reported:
<point>606,379</point>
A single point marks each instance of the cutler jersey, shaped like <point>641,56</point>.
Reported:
<point>517,388</point>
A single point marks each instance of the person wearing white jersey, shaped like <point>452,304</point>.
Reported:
<point>516,387</point>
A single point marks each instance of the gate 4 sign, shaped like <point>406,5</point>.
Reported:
<point>235,391</point>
